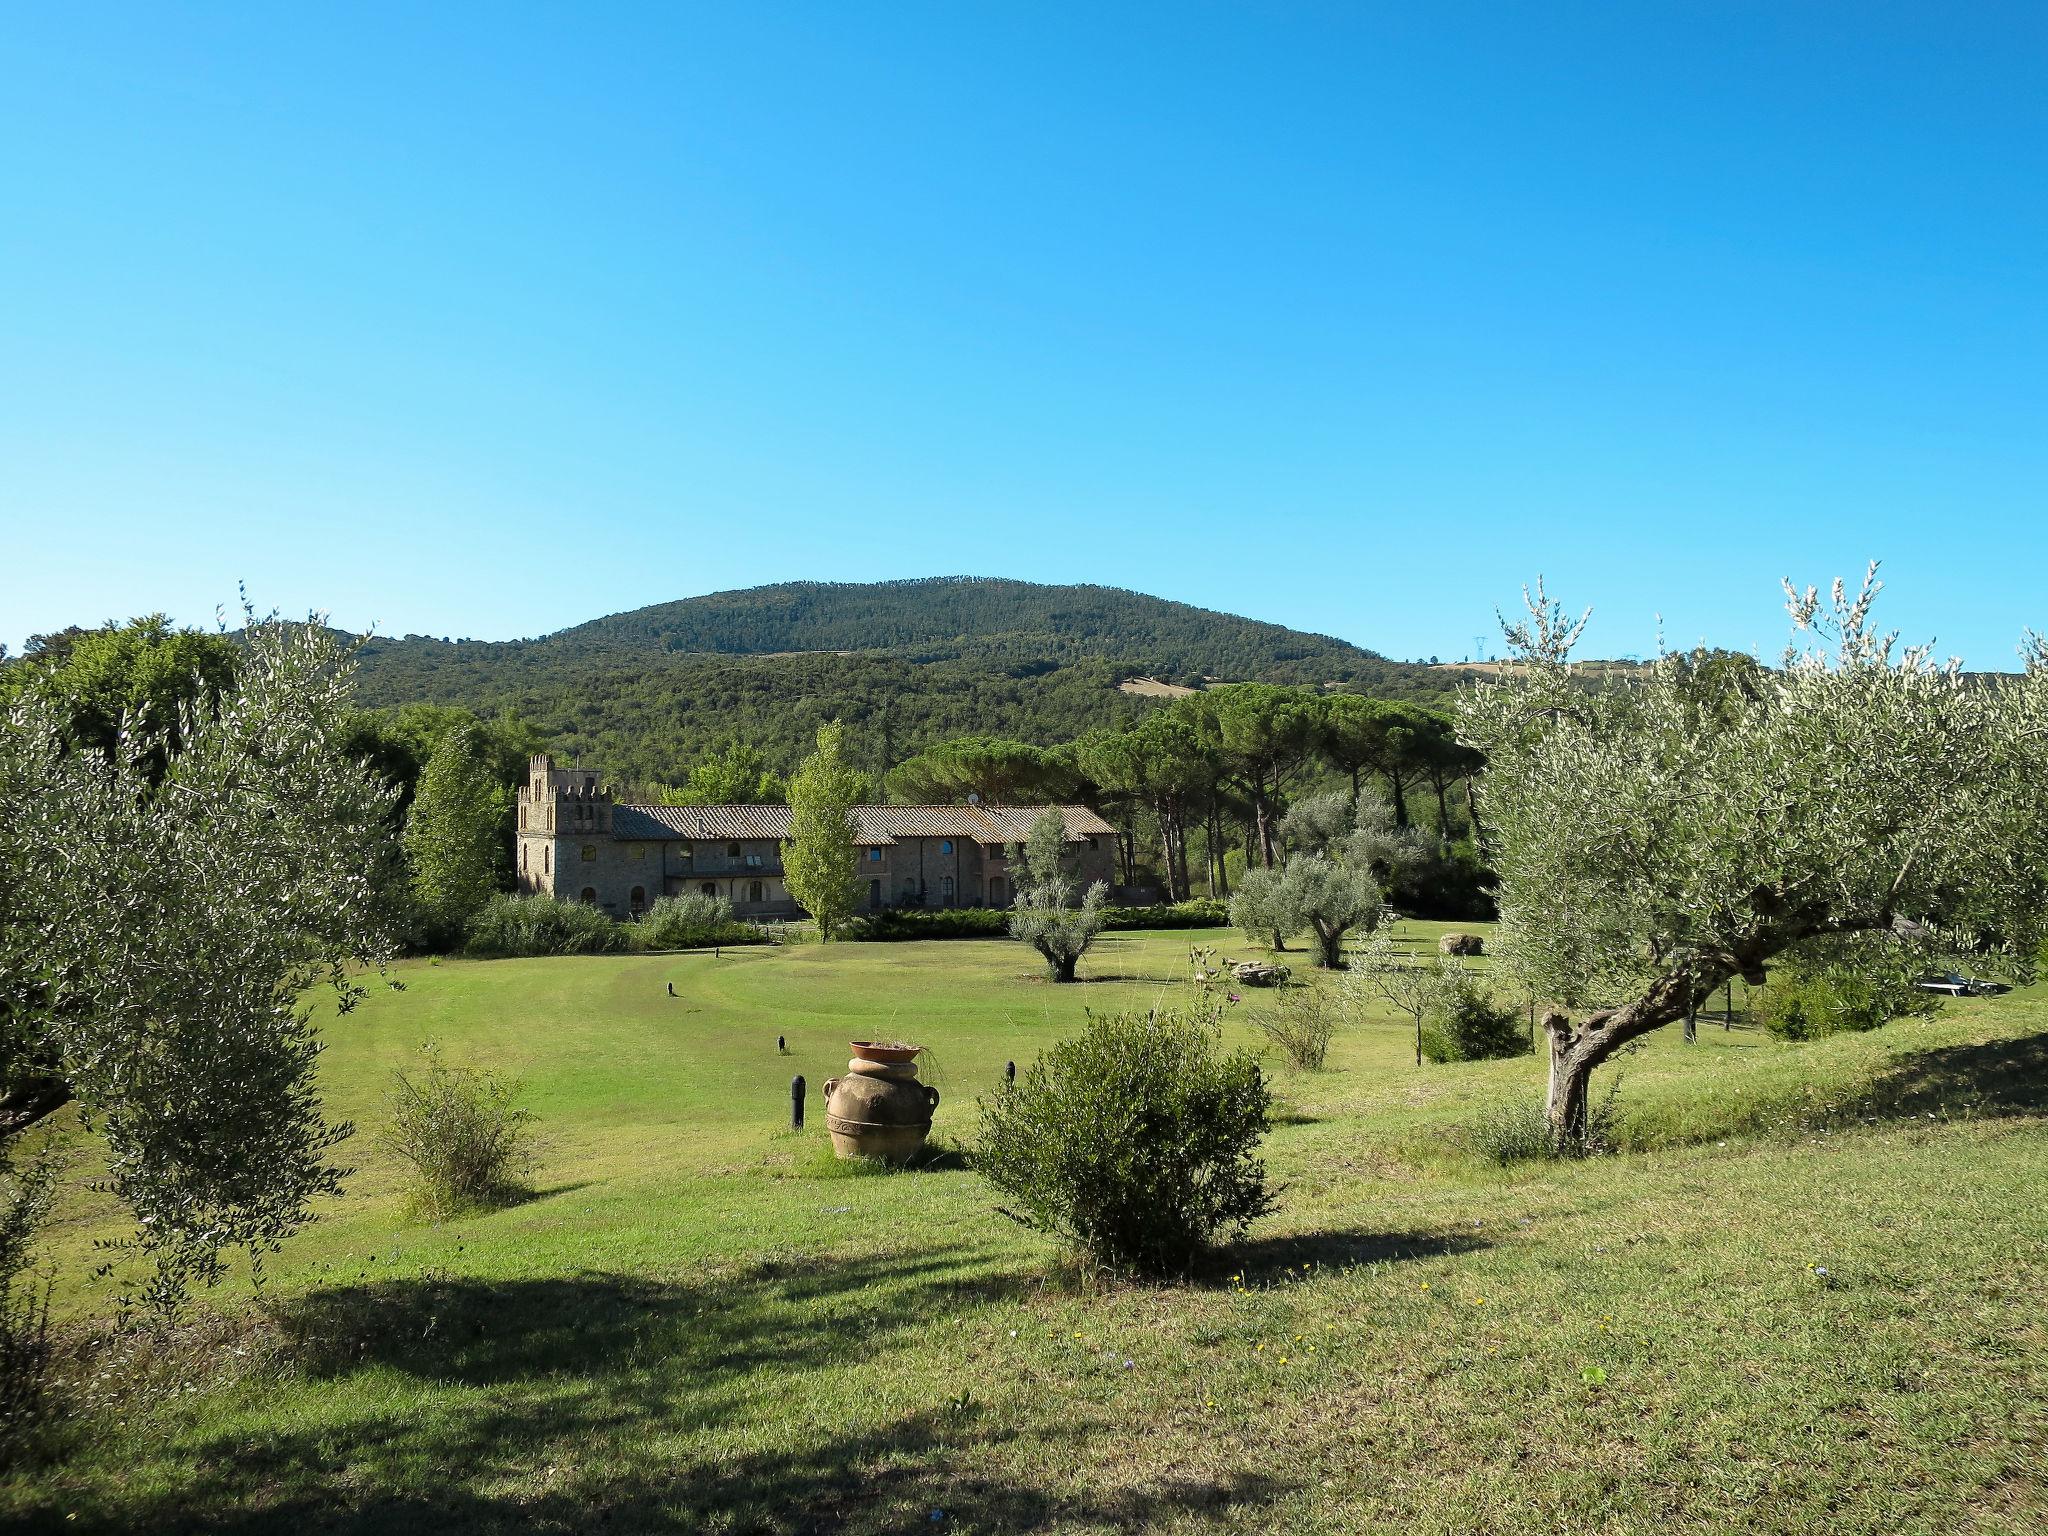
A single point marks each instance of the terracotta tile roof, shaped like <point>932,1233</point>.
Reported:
<point>709,822</point>
<point>879,824</point>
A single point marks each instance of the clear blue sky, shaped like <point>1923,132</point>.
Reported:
<point>483,321</point>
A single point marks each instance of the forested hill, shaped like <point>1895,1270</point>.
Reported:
<point>904,663</point>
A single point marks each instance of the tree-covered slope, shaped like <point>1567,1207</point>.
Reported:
<point>904,663</point>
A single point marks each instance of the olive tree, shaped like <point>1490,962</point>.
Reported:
<point>1044,915</point>
<point>1648,849</point>
<point>1341,859</point>
<point>159,933</point>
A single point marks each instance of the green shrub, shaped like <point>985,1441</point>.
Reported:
<point>692,921</point>
<point>457,1128</point>
<point>931,923</point>
<point>1806,1002</point>
<point>1200,912</point>
<point>1466,1022</point>
<point>510,927</point>
<point>994,922</point>
<point>1302,1025</point>
<point>1135,1140</point>
<point>25,1196</point>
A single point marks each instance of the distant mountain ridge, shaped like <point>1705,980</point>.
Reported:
<point>905,663</point>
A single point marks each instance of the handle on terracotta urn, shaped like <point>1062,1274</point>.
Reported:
<point>932,1094</point>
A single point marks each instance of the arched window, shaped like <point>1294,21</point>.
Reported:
<point>589,896</point>
<point>753,890</point>
<point>732,850</point>
<point>946,845</point>
<point>522,858</point>
<point>946,889</point>
<point>547,861</point>
<point>638,900</point>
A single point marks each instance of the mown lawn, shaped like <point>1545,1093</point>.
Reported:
<point>697,1324</point>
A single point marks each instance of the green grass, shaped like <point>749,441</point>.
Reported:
<point>702,1322</point>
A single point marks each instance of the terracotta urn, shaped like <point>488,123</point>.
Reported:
<point>880,1109</point>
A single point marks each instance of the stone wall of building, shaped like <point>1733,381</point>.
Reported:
<point>568,848</point>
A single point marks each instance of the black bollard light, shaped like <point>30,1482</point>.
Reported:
<point>796,1102</point>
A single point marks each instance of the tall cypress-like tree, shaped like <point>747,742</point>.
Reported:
<point>820,864</point>
<point>453,847</point>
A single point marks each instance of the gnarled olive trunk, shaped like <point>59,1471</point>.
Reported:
<point>1576,1050</point>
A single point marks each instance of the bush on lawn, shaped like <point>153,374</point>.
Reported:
<point>692,921</point>
<point>1466,1022</point>
<point>509,927</point>
<point>1302,1025</point>
<point>1135,1140</point>
<point>457,1128</point>
<point>1843,988</point>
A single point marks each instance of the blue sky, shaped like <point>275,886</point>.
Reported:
<point>483,321</point>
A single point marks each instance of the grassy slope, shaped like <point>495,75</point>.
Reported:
<point>696,1323</point>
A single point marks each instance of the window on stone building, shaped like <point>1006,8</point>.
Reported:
<point>589,896</point>
<point>732,850</point>
<point>710,888</point>
<point>753,890</point>
<point>639,850</point>
<point>946,845</point>
<point>946,889</point>
<point>638,900</point>
<point>522,858</point>
<point>589,852</point>
<point>874,855</point>
<point>547,861</point>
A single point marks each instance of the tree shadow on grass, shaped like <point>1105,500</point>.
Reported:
<point>616,1403</point>
<point>1267,1259</point>
<point>1994,1078</point>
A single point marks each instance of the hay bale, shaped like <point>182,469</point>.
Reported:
<point>1460,944</point>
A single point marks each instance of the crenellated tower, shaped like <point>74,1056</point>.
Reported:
<point>556,807</point>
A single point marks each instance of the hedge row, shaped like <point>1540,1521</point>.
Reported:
<point>994,922</point>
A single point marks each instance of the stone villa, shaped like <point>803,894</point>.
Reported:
<point>575,842</point>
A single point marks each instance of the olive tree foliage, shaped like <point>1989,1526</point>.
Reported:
<point>1341,859</point>
<point>1044,914</point>
<point>158,939</point>
<point>821,860</point>
<point>1650,848</point>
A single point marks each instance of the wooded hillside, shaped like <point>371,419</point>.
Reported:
<point>904,663</point>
